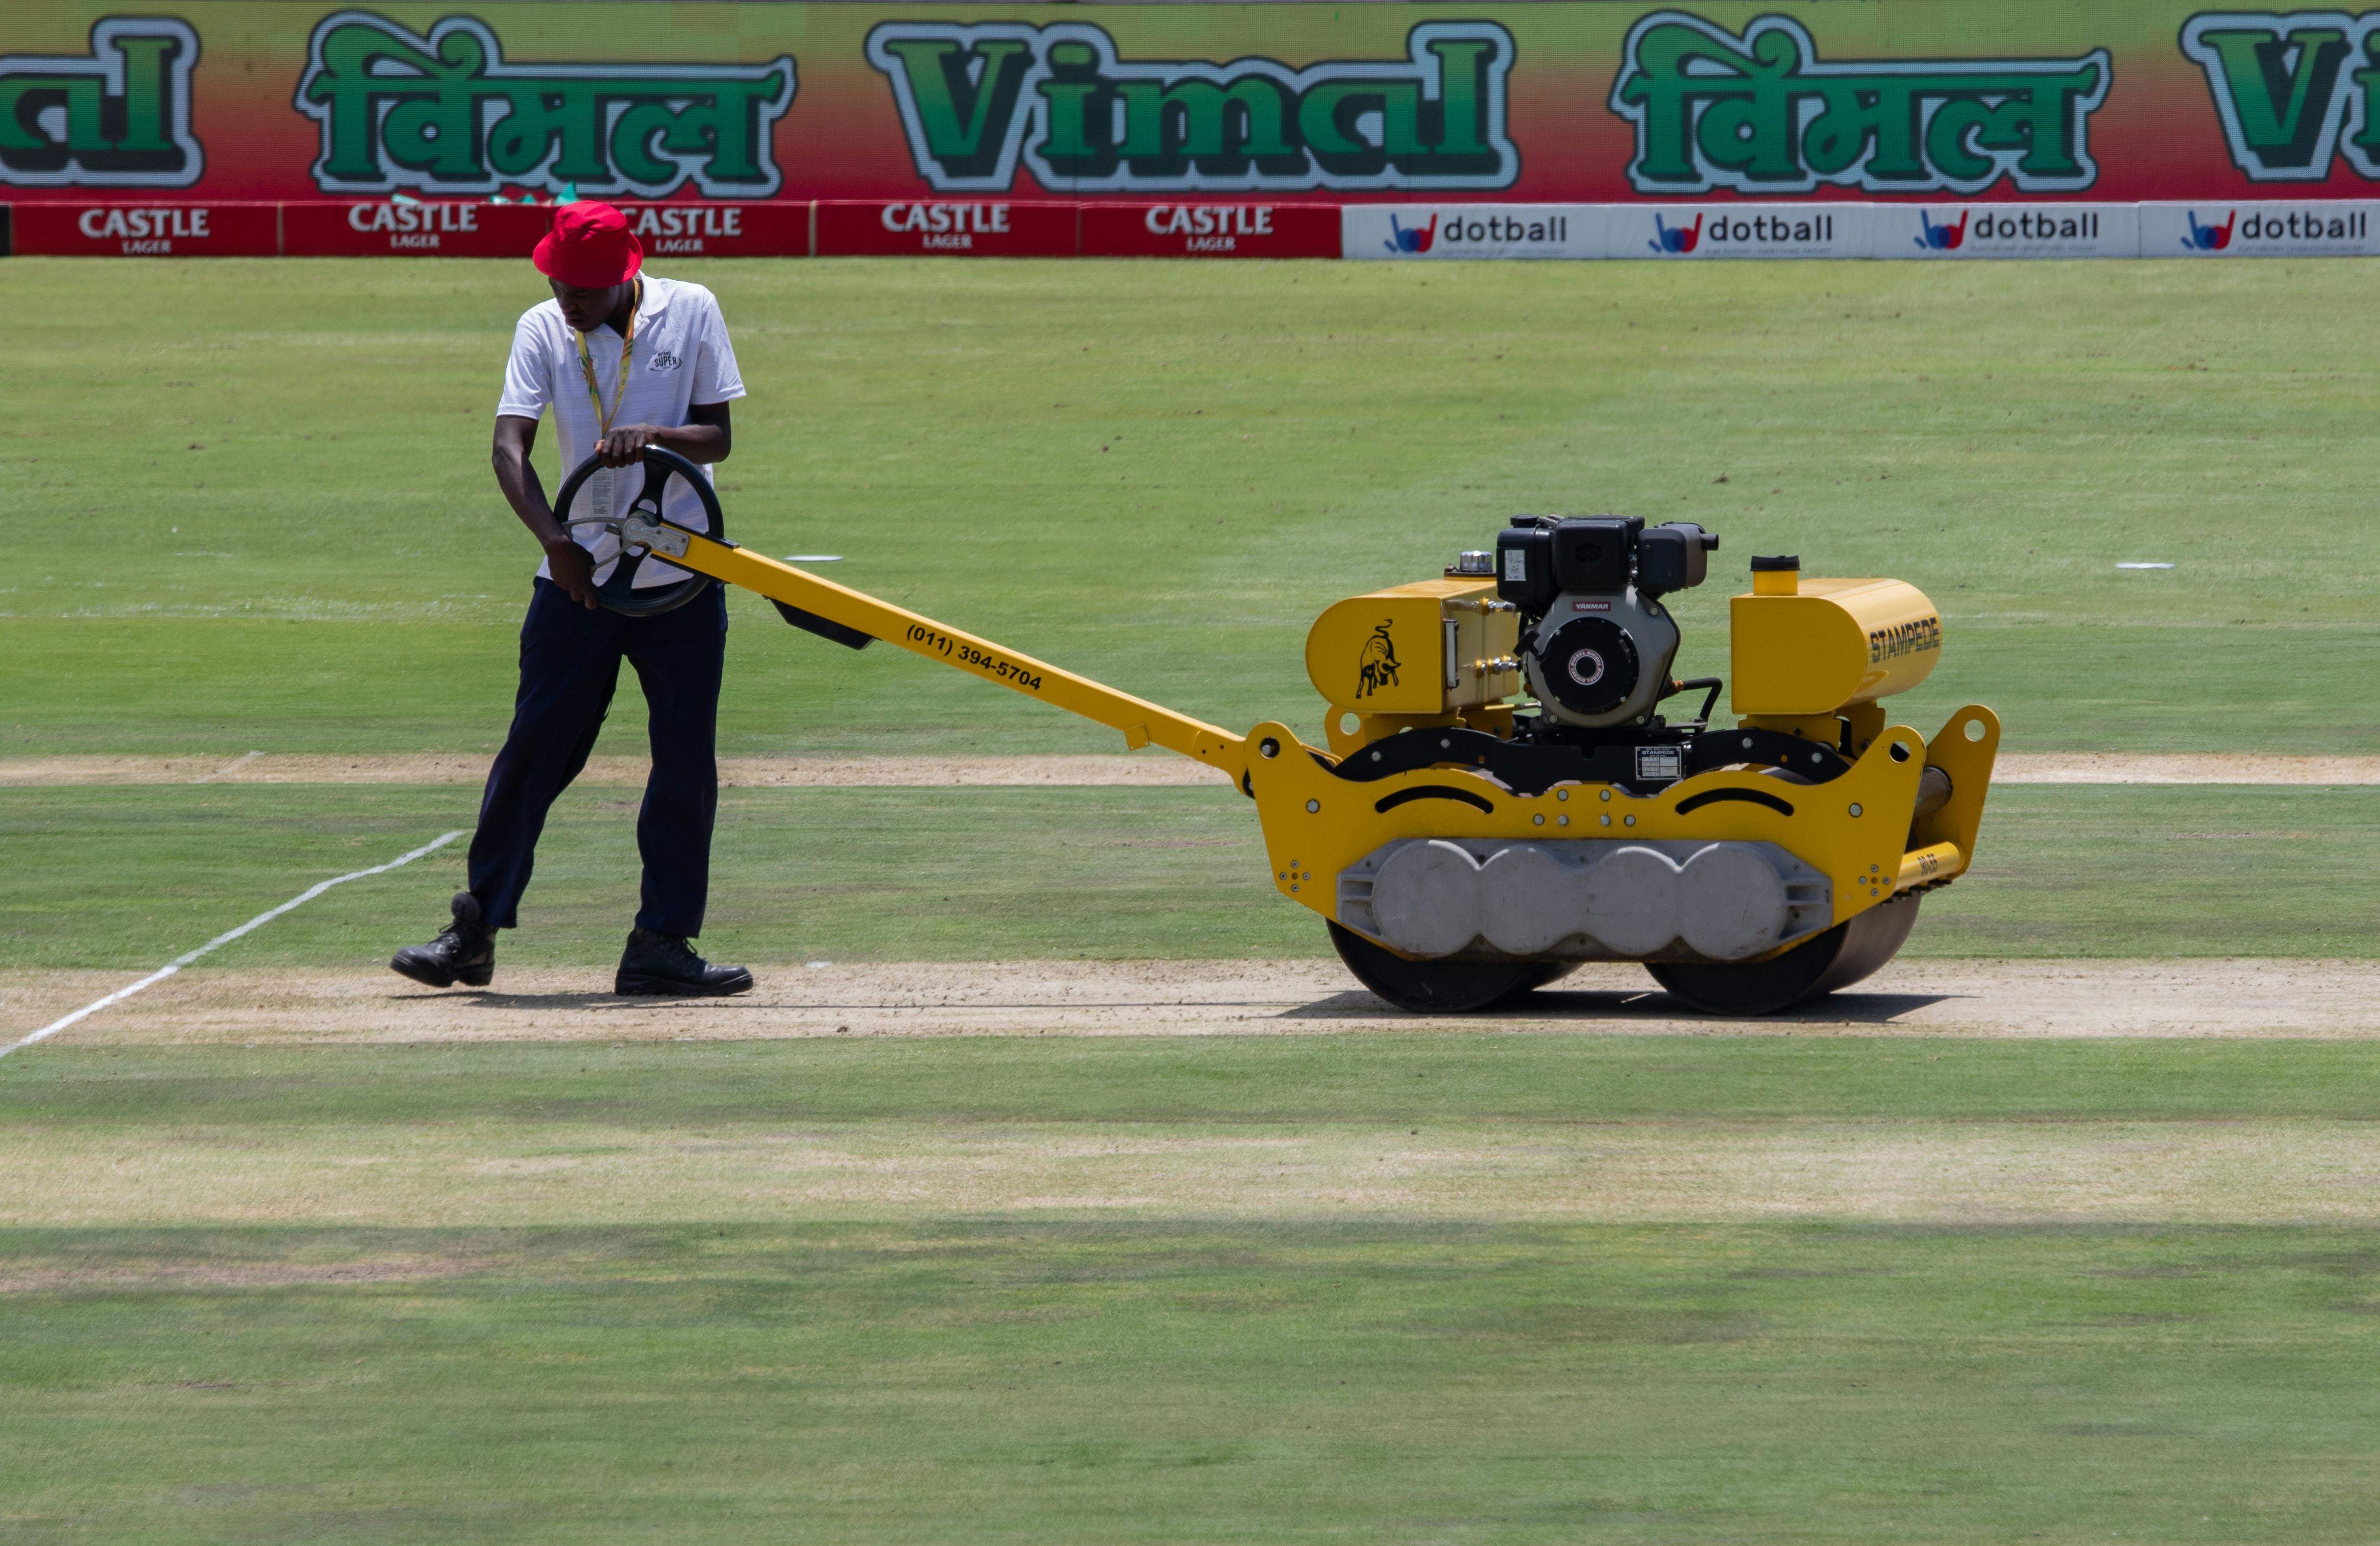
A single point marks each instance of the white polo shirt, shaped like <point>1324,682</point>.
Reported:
<point>680,357</point>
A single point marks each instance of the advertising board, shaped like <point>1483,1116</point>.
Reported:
<point>2004,231</point>
<point>944,228</point>
<point>1209,231</point>
<point>1732,230</point>
<point>1699,103</point>
<point>2258,229</point>
<point>379,228</point>
<point>117,230</point>
<point>756,230</point>
<point>1450,230</point>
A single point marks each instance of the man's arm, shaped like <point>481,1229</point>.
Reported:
<point>572,567</point>
<point>705,437</point>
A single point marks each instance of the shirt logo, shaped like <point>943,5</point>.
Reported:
<point>664,360</point>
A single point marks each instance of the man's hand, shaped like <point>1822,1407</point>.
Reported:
<point>574,570</point>
<point>626,446</point>
<point>704,436</point>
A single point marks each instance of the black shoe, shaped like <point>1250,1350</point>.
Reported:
<point>465,953</point>
<point>658,964</point>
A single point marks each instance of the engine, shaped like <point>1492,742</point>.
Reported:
<point>1596,644</point>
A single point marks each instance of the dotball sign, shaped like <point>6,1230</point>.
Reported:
<point>1189,108</point>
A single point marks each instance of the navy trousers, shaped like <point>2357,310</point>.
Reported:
<point>569,666</point>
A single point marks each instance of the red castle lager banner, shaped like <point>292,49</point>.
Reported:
<point>956,110</point>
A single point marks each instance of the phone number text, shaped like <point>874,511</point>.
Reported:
<point>966,654</point>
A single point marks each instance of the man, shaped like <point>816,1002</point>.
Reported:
<point>624,360</point>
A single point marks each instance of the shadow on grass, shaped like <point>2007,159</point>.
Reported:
<point>480,999</point>
<point>1648,1004</point>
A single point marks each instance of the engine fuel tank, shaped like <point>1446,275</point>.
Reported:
<point>1817,646</point>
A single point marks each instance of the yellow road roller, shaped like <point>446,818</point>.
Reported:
<point>1502,796</point>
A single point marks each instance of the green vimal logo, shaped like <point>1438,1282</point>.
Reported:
<point>1759,113</point>
<point>2283,87</point>
<point>445,114</point>
<point>978,101</point>
<point>119,117</point>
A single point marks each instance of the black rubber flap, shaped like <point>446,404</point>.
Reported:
<point>825,628</point>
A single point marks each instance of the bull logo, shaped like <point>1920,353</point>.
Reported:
<point>1380,663</point>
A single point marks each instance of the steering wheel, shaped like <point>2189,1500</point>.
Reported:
<point>618,592</point>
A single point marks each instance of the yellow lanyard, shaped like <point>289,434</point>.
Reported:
<point>586,369</point>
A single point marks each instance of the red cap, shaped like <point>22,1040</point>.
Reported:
<point>589,247</point>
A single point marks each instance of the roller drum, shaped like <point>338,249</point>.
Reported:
<point>1428,898</point>
<point>1731,902</point>
<point>1530,900</point>
<point>1632,900</point>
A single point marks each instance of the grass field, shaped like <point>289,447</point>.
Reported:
<point>130,877</point>
<point>1413,1289</point>
<point>1427,1286</point>
<point>1161,475</point>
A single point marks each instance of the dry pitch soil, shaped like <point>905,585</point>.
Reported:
<point>500,1169</point>
<point>2235,998</point>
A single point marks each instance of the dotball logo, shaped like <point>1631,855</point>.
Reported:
<point>2008,231</point>
<point>1410,238</point>
<point>1392,231</point>
<point>2303,226</point>
<point>1945,237</point>
<point>1802,229</point>
<point>2258,230</point>
<point>1739,230</point>
<point>1994,225</point>
<point>1677,238</point>
<point>1502,230</point>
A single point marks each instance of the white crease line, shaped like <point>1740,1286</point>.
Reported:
<point>231,766</point>
<point>46,1031</point>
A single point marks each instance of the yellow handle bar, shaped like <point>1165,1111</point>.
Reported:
<point>1142,722</point>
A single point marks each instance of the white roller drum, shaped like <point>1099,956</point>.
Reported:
<point>1427,897</point>
<point>1529,900</point>
<point>1731,902</point>
<point>1632,901</point>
